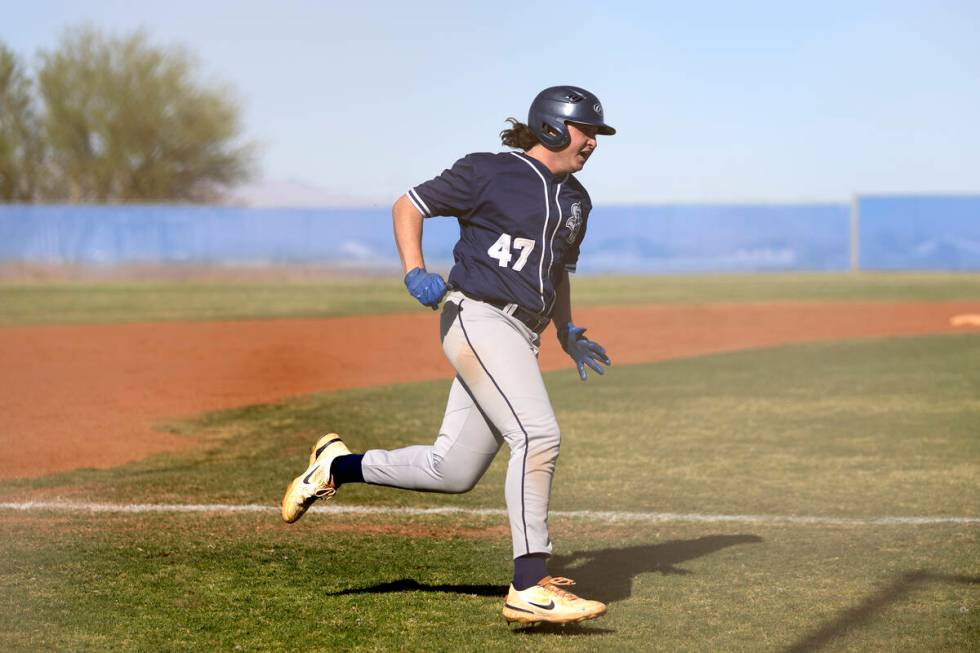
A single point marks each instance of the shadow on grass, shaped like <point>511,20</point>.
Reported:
<point>604,574</point>
<point>410,585</point>
<point>860,614</point>
<point>568,630</point>
<point>607,574</point>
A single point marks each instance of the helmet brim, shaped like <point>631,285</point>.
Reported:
<point>601,127</point>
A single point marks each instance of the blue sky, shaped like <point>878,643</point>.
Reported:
<point>714,101</point>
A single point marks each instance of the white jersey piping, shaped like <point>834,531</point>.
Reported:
<point>551,242</point>
<point>551,252</point>
<point>544,228</point>
<point>419,203</point>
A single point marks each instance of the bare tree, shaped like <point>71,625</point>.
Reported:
<point>21,151</point>
<point>125,121</point>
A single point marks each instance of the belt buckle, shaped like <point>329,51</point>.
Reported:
<point>537,323</point>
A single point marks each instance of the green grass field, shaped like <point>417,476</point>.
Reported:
<point>859,429</point>
<point>80,302</point>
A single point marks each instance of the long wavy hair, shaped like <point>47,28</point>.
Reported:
<point>518,135</point>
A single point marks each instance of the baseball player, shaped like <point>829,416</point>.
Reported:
<point>522,217</point>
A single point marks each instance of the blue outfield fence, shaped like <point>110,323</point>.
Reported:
<point>716,238</point>
<point>929,233</point>
<point>920,232</point>
<point>127,234</point>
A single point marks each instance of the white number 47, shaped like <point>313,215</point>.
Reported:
<point>500,250</point>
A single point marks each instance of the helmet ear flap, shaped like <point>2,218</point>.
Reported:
<point>548,127</point>
<point>555,137</point>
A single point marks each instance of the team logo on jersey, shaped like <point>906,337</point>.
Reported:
<point>574,223</point>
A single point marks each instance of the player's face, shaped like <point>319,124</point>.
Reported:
<point>581,147</point>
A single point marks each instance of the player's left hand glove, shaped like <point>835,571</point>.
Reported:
<point>582,350</point>
<point>427,287</point>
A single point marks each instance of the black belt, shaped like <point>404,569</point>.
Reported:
<point>533,321</point>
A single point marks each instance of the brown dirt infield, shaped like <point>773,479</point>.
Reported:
<point>89,396</point>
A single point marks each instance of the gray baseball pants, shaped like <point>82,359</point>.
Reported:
<point>498,396</point>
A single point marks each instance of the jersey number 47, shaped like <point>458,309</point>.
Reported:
<point>501,250</point>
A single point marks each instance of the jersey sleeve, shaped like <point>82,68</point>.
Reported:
<point>571,256</point>
<point>451,193</point>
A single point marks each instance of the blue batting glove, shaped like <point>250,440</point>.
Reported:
<point>427,287</point>
<point>582,350</point>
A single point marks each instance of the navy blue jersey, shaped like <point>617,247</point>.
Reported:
<point>519,226</point>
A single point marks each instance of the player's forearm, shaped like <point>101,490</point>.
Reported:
<point>407,222</point>
<point>563,301</point>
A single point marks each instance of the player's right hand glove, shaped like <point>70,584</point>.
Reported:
<point>427,287</point>
<point>582,350</point>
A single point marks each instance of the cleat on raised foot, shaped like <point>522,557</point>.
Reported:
<point>549,602</point>
<point>315,482</point>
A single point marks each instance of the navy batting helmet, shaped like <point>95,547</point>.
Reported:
<point>557,105</point>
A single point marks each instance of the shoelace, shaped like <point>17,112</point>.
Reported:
<point>324,490</point>
<point>555,585</point>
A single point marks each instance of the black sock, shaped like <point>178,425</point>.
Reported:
<point>529,569</point>
<point>347,469</point>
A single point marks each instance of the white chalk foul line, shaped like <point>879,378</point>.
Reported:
<point>589,515</point>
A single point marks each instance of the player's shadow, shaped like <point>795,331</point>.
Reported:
<point>412,585</point>
<point>603,574</point>
<point>607,574</point>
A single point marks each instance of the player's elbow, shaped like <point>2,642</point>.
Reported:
<point>403,207</point>
<point>398,204</point>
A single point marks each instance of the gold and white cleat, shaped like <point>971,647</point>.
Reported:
<point>549,602</point>
<point>315,483</point>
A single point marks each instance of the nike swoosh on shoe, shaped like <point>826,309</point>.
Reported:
<point>550,606</point>
<point>324,446</point>
<point>307,479</point>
